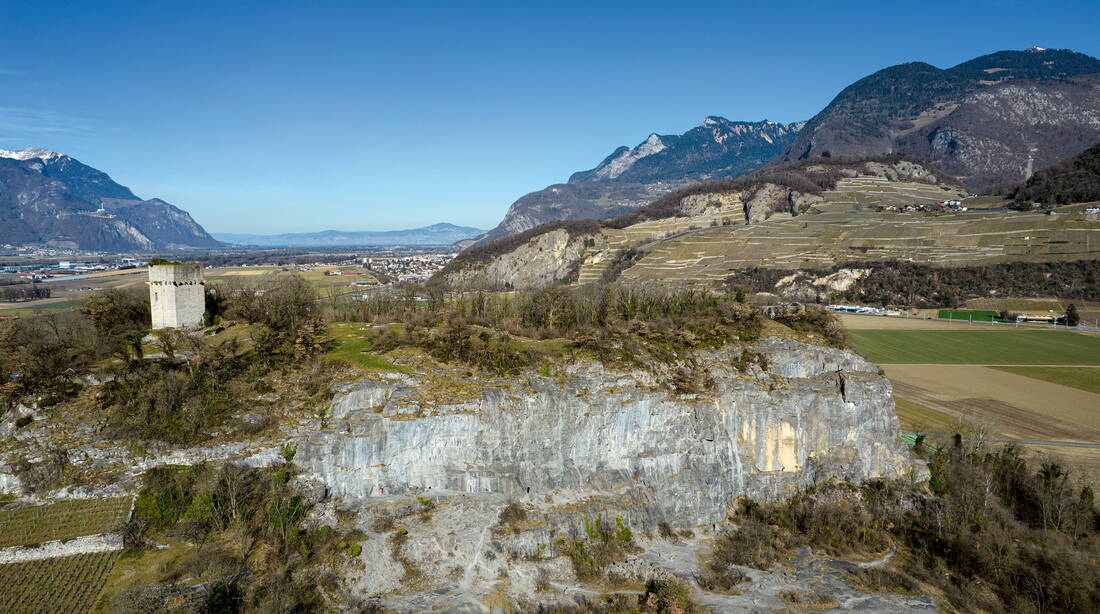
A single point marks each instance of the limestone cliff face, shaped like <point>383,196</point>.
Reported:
<point>546,259</point>
<point>809,287</point>
<point>592,433</point>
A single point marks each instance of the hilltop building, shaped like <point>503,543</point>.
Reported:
<point>177,295</point>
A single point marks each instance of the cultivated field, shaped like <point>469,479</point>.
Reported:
<point>978,345</point>
<point>853,321</point>
<point>1082,378</point>
<point>995,380</point>
<point>61,585</point>
<point>63,520</point>
<point>70,294</point>
<point>1007,404</point>
<point>705,249</point>
<point>711,254</point>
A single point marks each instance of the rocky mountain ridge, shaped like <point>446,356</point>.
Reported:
<point>51,199</point>
<point>629,178</point>
<point>566,251</point>
<point>980,120</point>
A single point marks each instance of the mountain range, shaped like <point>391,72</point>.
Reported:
<point>979,121</point>
<point>436,234</point>
<point>631,177</point>
<point>50,199</point>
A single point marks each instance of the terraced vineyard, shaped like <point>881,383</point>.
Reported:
<point>63,520</point>
<point>857,191</point>
<point>812,241</point>
<point>60,585</point>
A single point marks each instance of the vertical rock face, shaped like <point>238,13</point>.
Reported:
<point>594,434</point>
<point>545,260</point>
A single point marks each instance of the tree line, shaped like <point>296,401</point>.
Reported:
<point>18,293</point>
<point>921,285</point>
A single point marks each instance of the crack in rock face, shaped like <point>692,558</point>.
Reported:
<point>595,433</point>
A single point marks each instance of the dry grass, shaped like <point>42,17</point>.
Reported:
<point>852,321</point>
<point>918,418</point>
<point>808,600</point>
<point>1006,403</point>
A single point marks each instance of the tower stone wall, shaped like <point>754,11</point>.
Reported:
<point>177,295</point>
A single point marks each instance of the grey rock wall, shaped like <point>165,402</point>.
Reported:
<point>592,433</point>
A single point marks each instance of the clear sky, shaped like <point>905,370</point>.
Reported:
<point>301,116</point>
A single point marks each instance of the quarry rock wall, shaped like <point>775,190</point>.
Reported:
<point>620,436</point>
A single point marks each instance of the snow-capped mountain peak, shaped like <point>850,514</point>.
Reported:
<point>30,154</point>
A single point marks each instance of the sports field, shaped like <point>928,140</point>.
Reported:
<point>977,347</point>
<point>970,315</point>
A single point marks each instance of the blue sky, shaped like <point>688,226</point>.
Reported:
<point>301,116</point>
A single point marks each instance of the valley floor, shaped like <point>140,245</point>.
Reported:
<point>992,381</point>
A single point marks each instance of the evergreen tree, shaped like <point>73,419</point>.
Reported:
<point>1072,317</point>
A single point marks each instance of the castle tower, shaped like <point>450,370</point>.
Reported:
<point>177,295</point>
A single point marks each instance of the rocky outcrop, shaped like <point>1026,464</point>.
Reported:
<point>700,204</point>
<point>808,287</point>
<point>546,259</point>
<point>623,437</point>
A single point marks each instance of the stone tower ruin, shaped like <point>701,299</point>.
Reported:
<point>177,295</point>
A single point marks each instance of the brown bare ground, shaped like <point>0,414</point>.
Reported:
<point>1008,404</point>
<point>853,321</point>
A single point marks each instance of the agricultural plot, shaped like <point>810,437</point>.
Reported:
<point>710,255</point>
<point>852,321</point>
<point>35,308</point>
<point>1081,378</point>
<point>257,276</point>
<point>960,377</point>
<point>981,347</point>
<point>60,585</point>
<point>1003,403</point>
<point>63,520</point>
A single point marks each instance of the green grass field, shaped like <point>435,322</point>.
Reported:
<point>1082,378</point>
<point>987,347</point>
<point>974,315</point>
<point>56,307</point>
<point>351,347</point>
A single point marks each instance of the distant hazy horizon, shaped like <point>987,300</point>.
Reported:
<point>271,119</point>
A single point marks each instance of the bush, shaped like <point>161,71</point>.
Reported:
<point>604,543</point>
<point>1022,531</point>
